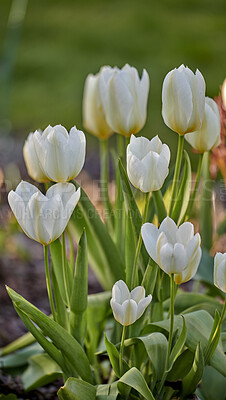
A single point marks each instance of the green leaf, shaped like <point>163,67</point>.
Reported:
<point>41,370</point>
<point>213,384</point>
<point>135,379</point>
<point>79,295</point>
<point>17,344</point>
<point>103,254</point>
<point>10,396</point>
<point>199,325</point>
<point>213,339</point>
<point>181,366</point>
<point>205,217</point>
<point>183,196</point>
<point>21,357</point>
<point>159,205</point>
<point>178,345</point>
<point>130,247</point>
<point>184,301</point>
<point>113,355</point>
<point>107,392</point>
<point>150,277</point>
<point>76,389</point>
<point>59,336</point>
<point>191,380</point>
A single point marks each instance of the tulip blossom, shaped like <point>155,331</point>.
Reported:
<point>124,97</point>
<point>31,160</point>
<point>128,306</point>
<point>208,136</point>
<point>43,218</point>
<point>93,113</point>
<point>183,100</point>
<point>176,250</point>
<point>147,163</point>
<point>61,154</point>
<point>220,271</point>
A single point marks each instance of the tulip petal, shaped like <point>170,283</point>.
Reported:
<point>150,234</point>
<point>190,271</point>
<point>185,233</point>
<point>129,308</point>
<point>25,190</point>
<point>142,305</point>
<point>138,293</point>
<point>120,292</point>
<point>169,227</point>
<point>118,311</point>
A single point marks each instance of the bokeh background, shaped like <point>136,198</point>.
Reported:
<point>47,48</point>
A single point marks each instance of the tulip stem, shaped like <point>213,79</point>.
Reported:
<point>172,298</point>
<point>64,266</point>
<point>139,243</point>
<point>122,350</point>
<point>218,327</point>
<point>104,184</point>
<point>48,282</point>
<point>198,174</point>
<point>119,227</point>
<point>176,172</point>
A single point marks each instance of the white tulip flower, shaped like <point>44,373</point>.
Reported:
<point>128,306</point>
<point>93,113</point>
<point>183,100</point>
<point>43,217</point>
<point>124,97</point>
<point>31,160</point>
<point>176,250</point>
<point>209,135</point>
<point>60,154</point>
<point>147,163</point>
<point>220,271</point>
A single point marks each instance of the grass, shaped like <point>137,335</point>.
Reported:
<point>63,41</point>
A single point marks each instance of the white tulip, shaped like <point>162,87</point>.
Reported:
<point>60,154</point>
<point>183,100</point>
<point>93,113</point>
<point>147,163</point>
<point>128,306</point>
<point>124,97</point>
<point>209,135</point>
<point>176,250</point>
<point>43,218</point>
<point>220,271</point>
<point>31,160</point>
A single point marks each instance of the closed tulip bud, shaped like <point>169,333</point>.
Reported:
<point>220,271</point>
<point>93,114</point>
<point>183,100</point>
<point>61,154</point>
<point>176,250</point>
<point>43,218</point>
<point>147,163</point>
<point>124,97</point>
<point>128,306</point>
<point>208,136</point>
<point>31,160</point>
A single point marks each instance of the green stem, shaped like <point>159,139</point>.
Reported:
<point>172,299</point>
<point>119,228</point>
<point>121,147</point>
<point>139,243</point>
<point>48,282</point>
<point>65,272</point>
<point>218,327</point>
<point>122,350</point>
<point>176,172</point>
<point>104,183</point>
<point>198,174</point>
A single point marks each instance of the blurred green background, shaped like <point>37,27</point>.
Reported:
<point>62,41</point>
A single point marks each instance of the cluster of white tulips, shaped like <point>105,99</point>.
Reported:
<point>126,255</point>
